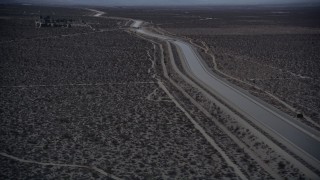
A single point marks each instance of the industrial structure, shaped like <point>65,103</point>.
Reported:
<point>50,22</point>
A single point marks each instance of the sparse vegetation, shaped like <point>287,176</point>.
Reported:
<point>91,99</point>
<point>90,96</point>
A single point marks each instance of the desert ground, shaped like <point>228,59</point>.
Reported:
<point>99,101</point>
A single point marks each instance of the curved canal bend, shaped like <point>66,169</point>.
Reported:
<point>304,139</point>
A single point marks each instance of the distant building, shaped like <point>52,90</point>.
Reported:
<point>50,22</point>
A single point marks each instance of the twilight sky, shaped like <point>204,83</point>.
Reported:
<point>166,2</point>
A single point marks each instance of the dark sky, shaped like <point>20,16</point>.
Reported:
<point>167,2</point>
